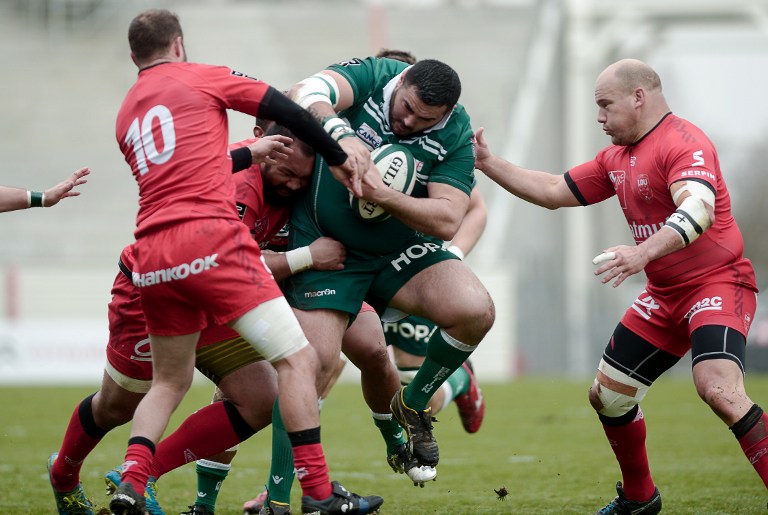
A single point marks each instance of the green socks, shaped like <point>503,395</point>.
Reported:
<point>210,475</point>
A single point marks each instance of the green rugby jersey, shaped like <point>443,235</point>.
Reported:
<point>444,154</point>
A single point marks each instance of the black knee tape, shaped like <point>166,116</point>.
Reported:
<point>747,422</point>
<point>622,420</point>
<point>85,414</point>
<point>243,430</point>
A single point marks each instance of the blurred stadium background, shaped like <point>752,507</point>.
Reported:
<point>528,69</point>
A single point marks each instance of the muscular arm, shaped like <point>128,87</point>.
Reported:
<point>540,188</point>
<point>623,261</point>
<point>439,214</point>
<point>325,107</point>
<point>326,254</point>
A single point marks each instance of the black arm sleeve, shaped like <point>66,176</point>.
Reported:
<point>284,111</point>
<point>241,159</point>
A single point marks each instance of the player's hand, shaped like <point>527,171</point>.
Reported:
<point>482,151</point>
<point>270,149</point>
<point>354,171</point>
<point>327,254</point>
<point>619,262</point>
<point>66,187</point>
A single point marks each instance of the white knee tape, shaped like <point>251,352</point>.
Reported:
<point>272,329</point>
<point>618,403</point>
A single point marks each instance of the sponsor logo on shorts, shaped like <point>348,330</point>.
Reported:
<point>142,351</point>
<point>417,332</point>
<point>319,293</point>
<point>176,273</point>
<point>645,305</point>
<point>708,304</point>
<point>414,252</point>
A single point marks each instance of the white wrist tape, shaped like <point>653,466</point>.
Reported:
<point>456,251</point>
<point>337,128</point>
<point>299,259</point>
<point>317,88</point>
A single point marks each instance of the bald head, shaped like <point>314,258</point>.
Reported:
<point>629,100</point>
<point>630,74</point>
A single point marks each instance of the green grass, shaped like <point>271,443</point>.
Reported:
<point>540,440</point>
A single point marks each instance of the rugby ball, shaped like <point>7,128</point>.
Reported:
<point>397,168</point>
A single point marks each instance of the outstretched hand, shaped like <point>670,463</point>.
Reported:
<point>482,151</point>
<point>66,187</point>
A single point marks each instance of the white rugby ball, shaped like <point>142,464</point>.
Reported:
<point>397,167</point>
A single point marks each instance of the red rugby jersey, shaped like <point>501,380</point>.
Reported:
<point>172,129</point>
<point>264,220</point>
<point>640,175</point>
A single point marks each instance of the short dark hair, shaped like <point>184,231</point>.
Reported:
<point>437,83</point>
<point>277,129</point>
<point>397,55</point>
<point>152,32</point>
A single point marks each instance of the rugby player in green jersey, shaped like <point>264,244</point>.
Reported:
<point>398,263</point>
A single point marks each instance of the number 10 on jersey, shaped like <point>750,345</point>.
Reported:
<point>142,137</point>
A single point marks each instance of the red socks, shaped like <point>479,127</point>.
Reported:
<point>628,443</point>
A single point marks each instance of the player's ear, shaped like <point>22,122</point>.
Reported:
<point>639,97</point>
<point>258,132</point>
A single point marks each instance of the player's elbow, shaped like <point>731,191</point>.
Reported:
<point>447,229</point>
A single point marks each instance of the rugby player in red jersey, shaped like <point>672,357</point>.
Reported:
<point>700,293</point>
<point>263,193</point>
<point>195,261</point>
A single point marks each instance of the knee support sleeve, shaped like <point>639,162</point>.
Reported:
<point>616,392</point>
<point>272,329</point>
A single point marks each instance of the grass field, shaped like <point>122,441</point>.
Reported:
<point>540,440</point>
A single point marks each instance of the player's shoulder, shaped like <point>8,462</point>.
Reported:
<point>679,132</point>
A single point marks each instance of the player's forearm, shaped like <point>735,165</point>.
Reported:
<point>13,199</point>
<point>439,217</point>
<point>662,243</point>
<point>471,229</point>
<point>530,185</point>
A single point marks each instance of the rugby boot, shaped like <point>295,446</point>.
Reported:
<point>471,404</point>
<point>274,508</point>
<point>126,501</point>
<point>341,502</point>
<point>418,427</point>
<point>401,462</point>
<point>113,479</point>
<point>620,505</point>
<point>73,502</point>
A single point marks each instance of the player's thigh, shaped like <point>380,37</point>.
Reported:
<point>324,329</point>
<point>219,360</point>
<point>363,341</point>
<point>446,292</point>
<point>633,356</point>
<point>252,388</point>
